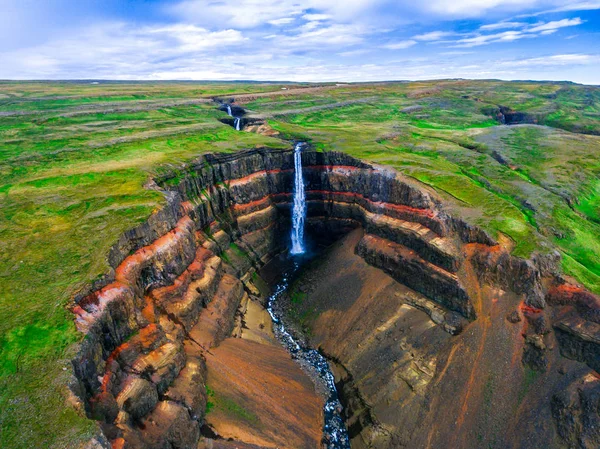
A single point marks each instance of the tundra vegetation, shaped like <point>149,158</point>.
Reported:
<point>76,160</point>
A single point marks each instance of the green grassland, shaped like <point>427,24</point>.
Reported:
<point>74,159</point>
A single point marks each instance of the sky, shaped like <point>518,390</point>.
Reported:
<point>292,40</point>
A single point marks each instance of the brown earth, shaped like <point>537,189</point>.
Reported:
<point>409,383</point>
<point>258,395</point>
<point>262,397</point>
<point>440,338</point>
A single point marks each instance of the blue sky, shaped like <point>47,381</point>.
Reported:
<point>324,40</point>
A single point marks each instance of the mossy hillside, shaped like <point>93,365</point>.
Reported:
<point>63,95</point>
<point>520,181</point>
<point>74,159</point>
<point>68,189</point>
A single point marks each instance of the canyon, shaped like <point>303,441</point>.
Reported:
<point>436,334</point>
<point>459,312</point>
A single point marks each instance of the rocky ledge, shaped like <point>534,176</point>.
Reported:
<point>182,279</point>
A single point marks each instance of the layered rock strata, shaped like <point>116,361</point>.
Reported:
<point>411,380</point>
<point>179,279</point>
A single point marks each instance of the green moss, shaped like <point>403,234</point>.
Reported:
<point>72,178</point>
<point>210,405</point>
<point>299,311</point>
<point>529,379</point>
<point>238,251</point>
<point>220,401</point>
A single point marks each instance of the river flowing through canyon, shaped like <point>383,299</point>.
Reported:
<point>177,336</point>
<point>335,434</point>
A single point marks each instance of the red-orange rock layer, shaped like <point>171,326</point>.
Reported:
<point>127,273</point>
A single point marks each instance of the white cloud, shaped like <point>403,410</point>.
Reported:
<point>502,26</point>
<point>532,31</point>
<point>553,68</point>
<point>244,14</point>
<point>311,17</point>
<point>456,53</point>
<point>282,21</point>
<point>241,14</point>
<point>474,8</point>
<point>579,6</point>
<point>118,49</point>
<point>316,40</point>
<point>352,53</point>
<point>555,25</point>
<point>399,45</point>
<point>432,36</point>
<point>506,36</point>
<point>308,26</point>
<point>118,52</point>
<point>554,61</point>
<point>190,37</point>
<point>254,13</point>
<point>478,8</point>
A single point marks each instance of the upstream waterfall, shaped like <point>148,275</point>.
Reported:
<point>237,121</point>
<point>299,208</point>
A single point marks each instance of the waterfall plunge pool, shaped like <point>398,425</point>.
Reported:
<point>335,434</point>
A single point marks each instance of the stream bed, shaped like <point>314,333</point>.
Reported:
<point>335,434</point>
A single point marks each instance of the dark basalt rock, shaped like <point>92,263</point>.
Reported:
<point>234,208</point>
<point>513,317</point>
<point>419,276</point>
<point>575,411</point>
<point>508,116</point>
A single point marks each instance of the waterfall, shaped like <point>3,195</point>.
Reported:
<point>237,121</point>
<point>299,208</point>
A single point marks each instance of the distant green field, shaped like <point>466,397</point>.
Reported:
<point>74,159</point>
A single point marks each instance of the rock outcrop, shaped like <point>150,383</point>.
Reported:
<point>179,279</point>
<point>414,375</point>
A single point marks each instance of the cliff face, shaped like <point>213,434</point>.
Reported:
<point>179,279</point>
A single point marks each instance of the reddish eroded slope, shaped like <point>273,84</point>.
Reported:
<point>412,378</point>
<point>409,383</point>
<point>262,397</point>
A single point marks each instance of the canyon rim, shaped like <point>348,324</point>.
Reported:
<point>299,224</point>
<point>295,291</point>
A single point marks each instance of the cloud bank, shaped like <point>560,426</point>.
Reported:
<point>326,40</point>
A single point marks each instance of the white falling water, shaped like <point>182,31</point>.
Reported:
<point>299,208</point>
<point>237,121</point>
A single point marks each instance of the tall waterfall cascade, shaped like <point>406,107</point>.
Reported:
<point>334,429</point>
<point>299,207</point>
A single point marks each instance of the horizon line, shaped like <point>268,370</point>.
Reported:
<point>277,82</point>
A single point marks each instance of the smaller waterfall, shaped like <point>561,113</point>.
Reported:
<point>299,208</point>
<point>237,121</point>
